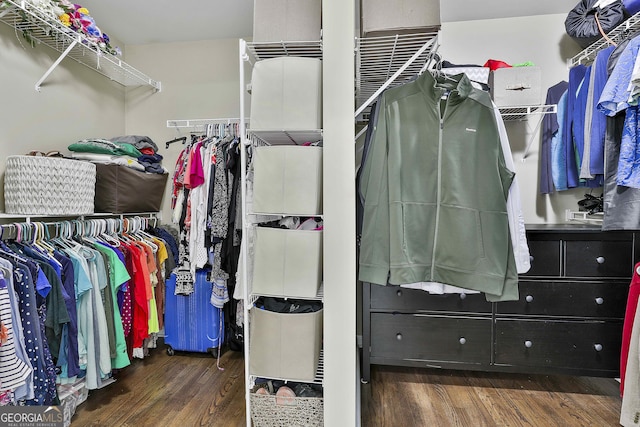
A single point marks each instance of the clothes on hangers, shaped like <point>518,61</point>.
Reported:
<point>79,287</point>
<point>206,189</point>
<point>421,178</point>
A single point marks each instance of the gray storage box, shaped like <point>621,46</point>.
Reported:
<point>285,345</point>
<point>287,263</point>
<point>286,20</point>
<point>516,86</point>
<point>385,17</point>
<point>286,94</point>
<point>288,180</point>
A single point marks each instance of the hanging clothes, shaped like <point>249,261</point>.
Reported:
<point>432,142</point>
<point>550,128</point>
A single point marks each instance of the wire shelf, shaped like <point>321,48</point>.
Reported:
<point>286,137</point>
<point>266,50</point>
<point>617,35</point>
<point>380,57</point>
<point>521,112</point>
<point>25,17</point>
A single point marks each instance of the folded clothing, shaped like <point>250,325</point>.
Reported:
<point>109,159</point>
<point>152,163</point>
<point>155,158</point>
<point>103,146</point>
<point>138,141</point>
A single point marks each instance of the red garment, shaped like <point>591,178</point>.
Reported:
<point>126,313</point>
<point>178,176</point>
<point>629,317</point>
<point>494,64</point>
<point>140,280</point>
<point>147,150</point>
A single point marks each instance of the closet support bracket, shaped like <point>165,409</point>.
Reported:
<point>55,64</point>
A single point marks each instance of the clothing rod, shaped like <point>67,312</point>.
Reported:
<point>28,217</point>
<point>28,230</point>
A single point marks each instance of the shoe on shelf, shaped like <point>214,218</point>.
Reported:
<point>265,388</point>
<point>285,396</point>
<point>305,390</point>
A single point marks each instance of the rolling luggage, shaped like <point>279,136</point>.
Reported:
<point>191,323</point>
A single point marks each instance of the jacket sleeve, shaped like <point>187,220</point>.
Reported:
<point>374,187</point>
<point>514,207</point>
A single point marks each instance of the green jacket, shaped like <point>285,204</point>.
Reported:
<point>435,187</point>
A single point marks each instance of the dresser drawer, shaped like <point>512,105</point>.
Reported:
<point>598,258</point>
<point>434,338</point>
<point>562,298</point>
<point>400,299</point>
<point>559,344</point>
<point>544,256</point>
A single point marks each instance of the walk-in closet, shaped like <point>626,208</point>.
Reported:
<point>319,213</point>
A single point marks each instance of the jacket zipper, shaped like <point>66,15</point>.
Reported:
<point>441,115</point>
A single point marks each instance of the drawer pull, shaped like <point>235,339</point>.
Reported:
<point>463,340</point>
<point>598,347</point>
<point>600,260</point>
<point>399,293</point>
<point>529,298</point>
<point>599,300</point>
<point>528,344</point>
<point>399,337</point>
<point>463,295</point>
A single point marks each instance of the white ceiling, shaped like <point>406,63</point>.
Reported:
<point>162,21</point>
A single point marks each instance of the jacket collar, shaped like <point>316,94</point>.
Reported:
<point>458,86</point>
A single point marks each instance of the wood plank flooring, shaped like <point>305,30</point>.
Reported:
<point>188,390</point>
<point>427,397</point>
<point>183,390</point>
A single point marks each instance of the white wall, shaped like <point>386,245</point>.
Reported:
<point>542,40</point>
<point>74,102</point>
<point>200,80</point>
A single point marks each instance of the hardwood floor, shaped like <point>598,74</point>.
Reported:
<point>188,390</point>
<point>183,390</point>
<point>425,397</point>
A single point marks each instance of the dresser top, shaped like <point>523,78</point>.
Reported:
<point>563,228</point>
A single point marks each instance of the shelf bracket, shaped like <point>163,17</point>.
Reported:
<point>55,64</point>
<point>531,139</point>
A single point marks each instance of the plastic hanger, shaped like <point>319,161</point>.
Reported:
<point>41,246</point>
<point>182,139</point>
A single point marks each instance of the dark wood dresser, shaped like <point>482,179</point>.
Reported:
<point>568,319</point>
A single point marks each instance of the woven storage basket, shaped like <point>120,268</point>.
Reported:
<point>302,411</point>
<point>48,186</point>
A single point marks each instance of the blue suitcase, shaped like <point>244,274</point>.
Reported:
<point>191,323</point>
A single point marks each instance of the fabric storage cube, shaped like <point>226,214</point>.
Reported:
<point>286,20</point>
<point>516,86</point>
<point>48,186</point>
<point>286,94</point>
<point>287,262</point>
<point>285,345</point>
<point>120,189</point>
<point>384,17</point>
<point>288,180</point>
